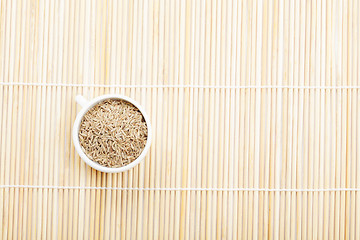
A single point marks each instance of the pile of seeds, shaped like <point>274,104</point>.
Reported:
<point>113,133</point>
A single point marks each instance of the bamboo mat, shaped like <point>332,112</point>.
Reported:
<point>255,109</point>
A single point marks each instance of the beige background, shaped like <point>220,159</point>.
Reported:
<point>246,98</point>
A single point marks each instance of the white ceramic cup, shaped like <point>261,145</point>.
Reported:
<point>86,105</point>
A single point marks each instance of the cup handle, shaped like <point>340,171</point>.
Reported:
<point>81,100</point>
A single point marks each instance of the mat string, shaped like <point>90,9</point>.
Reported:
<point>185,189</point>
<point>175,86</point>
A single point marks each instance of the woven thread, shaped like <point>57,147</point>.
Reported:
<point>185,189</point>
<point>174,86</point>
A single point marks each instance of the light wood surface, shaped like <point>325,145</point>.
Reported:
<point>255,109</point>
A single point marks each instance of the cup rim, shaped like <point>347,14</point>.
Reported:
<point>76,129</point>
